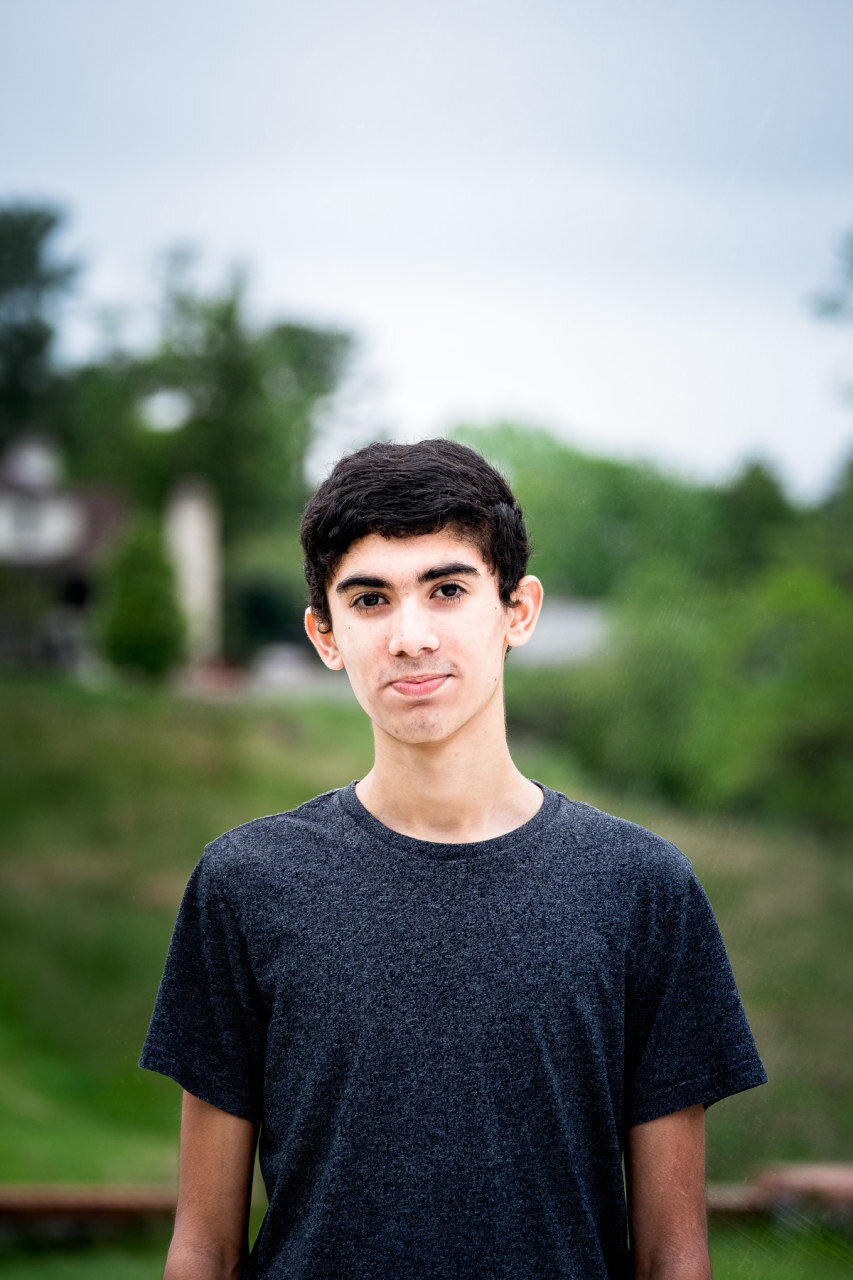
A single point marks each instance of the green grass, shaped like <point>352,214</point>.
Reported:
<point>768,1253</point>
<point>135,1260</point>
<point>107,799</point>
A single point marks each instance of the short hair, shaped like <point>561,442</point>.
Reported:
<point>401,490</point>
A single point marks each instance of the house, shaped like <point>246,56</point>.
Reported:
<point>53,540</point>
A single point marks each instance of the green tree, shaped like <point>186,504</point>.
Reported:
<point>771,729</point>
<point>31,282</point>
<point>715,698</point>
<point>139,625</point>
<point>593,520</point>
<point>253,399</point>
<point>100,426</point>
<point>752,515</point>
<point>835,519</point>
<point>823,537</point>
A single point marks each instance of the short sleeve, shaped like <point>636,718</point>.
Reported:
<point>207,1031</point>
<point>687,1037</point>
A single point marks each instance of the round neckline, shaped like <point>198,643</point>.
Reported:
<point>442,851</point>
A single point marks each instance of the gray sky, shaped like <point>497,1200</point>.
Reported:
<point>606,218</point>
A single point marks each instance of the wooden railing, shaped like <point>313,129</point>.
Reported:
<point>65,1213</point>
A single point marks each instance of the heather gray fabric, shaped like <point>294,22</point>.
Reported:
<point>445,1044</point>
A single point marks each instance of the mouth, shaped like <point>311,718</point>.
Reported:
<point>418,686</point>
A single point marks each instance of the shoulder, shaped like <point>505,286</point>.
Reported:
<point>271,841</point>
<point>646,883</point>
<point>627,846</point>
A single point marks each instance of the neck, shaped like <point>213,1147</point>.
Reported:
<point>451,791</point>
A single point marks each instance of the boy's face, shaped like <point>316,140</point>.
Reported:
<point>419,627</point>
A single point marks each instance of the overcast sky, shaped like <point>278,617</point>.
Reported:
<point>605,218</point>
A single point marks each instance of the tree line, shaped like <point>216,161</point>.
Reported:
<point>213,395</point>
<point>727,679</point>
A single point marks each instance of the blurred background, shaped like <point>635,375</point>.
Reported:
<point>611,247</point>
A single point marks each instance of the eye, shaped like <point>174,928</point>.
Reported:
<point>450,591</point>
<point>368,600</point>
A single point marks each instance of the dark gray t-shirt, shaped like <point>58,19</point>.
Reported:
<point>444,1045</point>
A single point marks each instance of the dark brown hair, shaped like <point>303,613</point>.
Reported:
<point>400,490</point>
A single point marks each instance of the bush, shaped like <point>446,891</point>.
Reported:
<point>261,610</point>
<point>265,594</point>
<point>775,733</point>
<point>734,701</point>
<point>139,623</point>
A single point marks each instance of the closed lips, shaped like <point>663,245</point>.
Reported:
<point>419,684</point>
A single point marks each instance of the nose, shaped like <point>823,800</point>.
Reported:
<point>413,631</point>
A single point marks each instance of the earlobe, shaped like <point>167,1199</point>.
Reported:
<point>524,614</point>
<point>323,642</point>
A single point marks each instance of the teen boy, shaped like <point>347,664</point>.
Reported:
<point>449,1000</point>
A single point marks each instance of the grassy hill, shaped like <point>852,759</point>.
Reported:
<point>107,799</point>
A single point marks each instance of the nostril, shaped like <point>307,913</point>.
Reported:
<point>413,640</point>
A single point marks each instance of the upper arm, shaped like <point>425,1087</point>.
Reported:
<point>215,1182</point>
<point>665,1170</point>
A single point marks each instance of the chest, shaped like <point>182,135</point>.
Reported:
<point>433,955</point>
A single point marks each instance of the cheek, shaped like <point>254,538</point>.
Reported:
<point>361,656</point>
<point>488,645</point>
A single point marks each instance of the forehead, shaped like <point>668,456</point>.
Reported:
<point>399,560</point>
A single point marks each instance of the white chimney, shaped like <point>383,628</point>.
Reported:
<point>193,535</point>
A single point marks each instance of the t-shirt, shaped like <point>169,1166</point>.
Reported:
<point>445,1044</point>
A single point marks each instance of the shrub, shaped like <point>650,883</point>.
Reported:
<point>725,700</point>
<point>139,624</point>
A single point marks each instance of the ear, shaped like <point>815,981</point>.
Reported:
<point>323,642</point>
<point>522,616</point>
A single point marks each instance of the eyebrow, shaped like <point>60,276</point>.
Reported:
<point>456,569</point>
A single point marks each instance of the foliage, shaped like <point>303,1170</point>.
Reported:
<point>752,513</point>
<point>731,657</point>
<point>30,283</point>
<point>728,701</point>
<point>253,395</point>
<point>623,712</point>
<point>265,594</point>
<point>824,537</point>
<point>101,432</point>
<point>140,625</point>
<point>593,520</point>
<point>771,728</point>
<point>251,398</point>
<point>260,610</point>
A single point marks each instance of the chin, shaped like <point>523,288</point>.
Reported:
<point>415,734</point>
